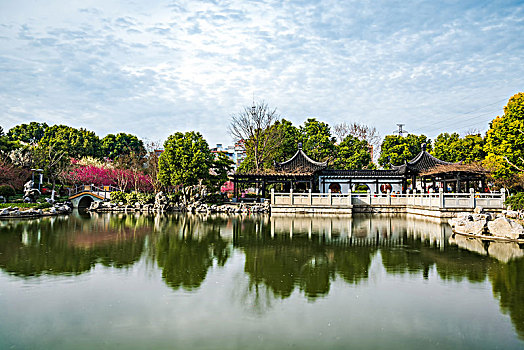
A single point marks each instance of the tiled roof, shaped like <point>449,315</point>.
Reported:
<point>421,163</point>
<point>300,162</point>
<point>360,173</point>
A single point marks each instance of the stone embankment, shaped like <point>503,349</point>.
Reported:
<point>502,226</point>
<point>190,208</point>
<point>16,212</point>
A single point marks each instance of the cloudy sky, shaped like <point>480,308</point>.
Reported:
<point>155,67</point>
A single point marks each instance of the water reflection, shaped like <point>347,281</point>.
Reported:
<point>282,255</point>
<point>186,248</point>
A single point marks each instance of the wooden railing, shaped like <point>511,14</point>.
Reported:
<point>428,200</point>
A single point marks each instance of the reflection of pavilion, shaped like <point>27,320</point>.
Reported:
<point>363,229</point>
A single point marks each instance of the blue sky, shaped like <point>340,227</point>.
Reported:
<point>155,67</point>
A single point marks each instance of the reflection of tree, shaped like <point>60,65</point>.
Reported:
<point>186,250</point>
<point>451,263</point>
<point>67,246</point>
<point>508,286</point>
<point>282,263</point>
<point>353,263</point>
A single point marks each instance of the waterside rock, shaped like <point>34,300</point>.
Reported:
<point>507,228</point>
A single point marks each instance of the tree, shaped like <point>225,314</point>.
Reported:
<point>132,169</point>
<point>352,153</point>
<point>221,165</point>
<point>290,136</point>
<point>53,161</point>
<point>120,144</point>
<point>453,148</point>
<point>185,161</point>
<point>505,140</point>
<point>30,133</point>
<point>254,128</point>
<point>12,175</point>
<point>360,131</point>
<point>75,143</point>
<point>317,140</point>
<point>151,165</point>
<point>6,145</point>
<point>396,149</point>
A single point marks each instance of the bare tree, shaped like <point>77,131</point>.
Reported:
<point>472,131</point>
<point>254,129</point>
<point>152,148</point>
<point>360,131</point>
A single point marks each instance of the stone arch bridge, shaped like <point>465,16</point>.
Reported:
<point>82,196</point>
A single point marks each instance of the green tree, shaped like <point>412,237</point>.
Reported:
<point>453,148</point>
<point>185,161</point>
<point>290,136</point>
<point>317,140</point>
<point>396,149</point>
<point>120,144</point>
<point>30,133</point>
<point>505,140</point>
<point>221,165</point>
<point>6,145</point>
<point>352,153</point>
<point>75,143</point>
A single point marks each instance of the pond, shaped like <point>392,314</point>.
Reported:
<point>117,281</point>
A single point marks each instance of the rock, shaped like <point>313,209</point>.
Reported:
<point>478,210</point>
<point>468,226</point>
<point>504,227</point>
<point>4,211</point>
<point>477,217</point>
<point>512,214</point>
<point>14,212</point>
<point>94,205</point>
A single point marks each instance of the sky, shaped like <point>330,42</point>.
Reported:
<point>152,68</point>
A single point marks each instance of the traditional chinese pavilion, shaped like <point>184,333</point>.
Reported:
<point>302,173</point>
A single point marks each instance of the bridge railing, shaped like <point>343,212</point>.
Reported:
<point>102,191</point>
<point>428,200</point>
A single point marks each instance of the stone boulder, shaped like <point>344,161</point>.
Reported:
<point>506,228</point>
<point>95,205</point>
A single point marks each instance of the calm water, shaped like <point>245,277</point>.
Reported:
<point>219,282</point>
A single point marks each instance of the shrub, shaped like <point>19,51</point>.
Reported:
<point>214,198</point>
<point>145,198</point>
<point>7,191</point>
<point>174,197</point>
<point>516,201</point>
<point>117,196</point>
<point>43,205</point>
<point>132,197</point>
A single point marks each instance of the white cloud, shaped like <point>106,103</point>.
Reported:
<point>152,69</point>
